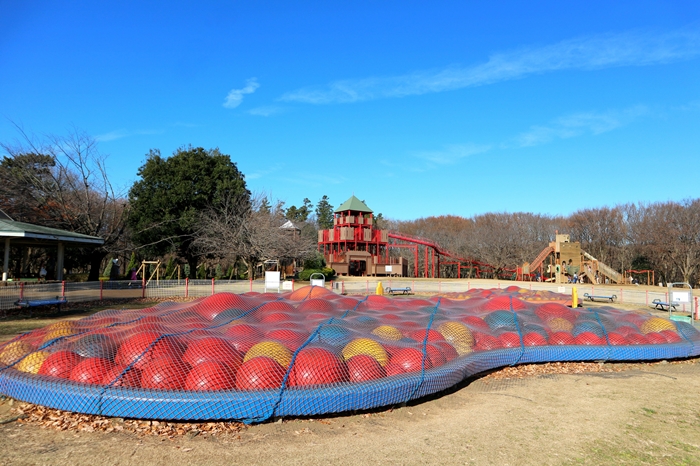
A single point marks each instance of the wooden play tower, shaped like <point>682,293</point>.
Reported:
<point>355,247</point>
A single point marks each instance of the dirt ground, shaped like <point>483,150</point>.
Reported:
<point>631,414</point>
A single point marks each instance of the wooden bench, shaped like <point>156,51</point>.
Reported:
<point>393,291</point>
<point>658,304</point>
<point>590,297</point>
<point>30,303</point>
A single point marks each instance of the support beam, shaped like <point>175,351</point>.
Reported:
<point>6,262</point>
<point>59,262</point>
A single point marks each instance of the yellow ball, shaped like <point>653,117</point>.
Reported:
<point>366,346</point>
<point>657,324</point>
<point>388,332</point>
<point>458,335</point>
<point>560,325</point>
<point>14,351</point>
<point>32,363</point>
<point>270,349</point>
<point>64,324</point>
<point>57,333</point>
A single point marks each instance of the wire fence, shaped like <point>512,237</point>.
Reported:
<point>35,293</point>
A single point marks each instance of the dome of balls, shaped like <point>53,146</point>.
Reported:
<point>254,356</point>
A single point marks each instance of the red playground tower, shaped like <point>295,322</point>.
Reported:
<point>355,247</point>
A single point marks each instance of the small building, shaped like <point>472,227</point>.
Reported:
<point>355,247</point>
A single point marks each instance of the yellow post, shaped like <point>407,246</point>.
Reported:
<point>380,289</point>
<point>574,297</point>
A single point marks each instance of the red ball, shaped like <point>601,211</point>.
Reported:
<point>212,349</point>
<point>437,358</point>
<point>164,374</point>
<point>637,339</point>
<point>275,317</point>
<point>509,340</point>
<point>211,375</point>
<point>485,342</point>
<point>117,378</point>
<point>289,338</point>
<point>534,339</point>
<point>411,360</point>
<point>589,338</point>
<point>476,323</point>
<point>447,349</point>
<point>362,368</point>
<point>143,347</point>
<point>260,373</point>
<point>314,366</point>
<point>393,369</point>
<point>561,338</point>
<point>91,370</point>
<point>617,339</point>
<point>60,364</point>
<point>419,335</point>
<point>671,336</point>
<point>243,330</point>
<point>656,338</point>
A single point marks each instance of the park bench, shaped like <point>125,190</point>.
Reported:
<point>590,297</point>
<point>658,304</point>
<point>393,291</point>
<point>30,303</point>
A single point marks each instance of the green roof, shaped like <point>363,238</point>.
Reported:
<point>12,229</point>
<point>353,204</point>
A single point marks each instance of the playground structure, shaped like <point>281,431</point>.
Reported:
<point>564,259</point>
<point>355,247</point>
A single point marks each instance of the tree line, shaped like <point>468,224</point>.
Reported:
<point>663,237</point>
<point>194,208</point>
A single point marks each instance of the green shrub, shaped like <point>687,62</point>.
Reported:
<point>328,273</point>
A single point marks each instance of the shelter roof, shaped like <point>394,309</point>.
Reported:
<point>289,225</point>
<point>38,234</point>
<point>353,204</point>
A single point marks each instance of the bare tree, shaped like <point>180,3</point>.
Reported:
<point>62,182</point>
<point>250,232</point>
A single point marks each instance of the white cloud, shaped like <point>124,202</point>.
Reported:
<point>235,96</point>
<point>265,111</point>
<point>452,153</point>
<point>578,124</point>
<point>592,52</point>
<point>122,133</point>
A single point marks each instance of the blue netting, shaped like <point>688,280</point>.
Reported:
<point>255,356</point>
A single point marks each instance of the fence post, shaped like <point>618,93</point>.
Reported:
<point>343,286</point>
<point>101,288</point>
<point>187,287</point>
<point>143,284</point>
<point>212,286</point>
<point>251,284</point>
<point>63,288</point>
<point>621,297</point>
<point>696,314</point>
<point>292,284</point>
<point>646,297</point>
<point>21,291</point>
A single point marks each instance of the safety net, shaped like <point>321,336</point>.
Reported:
<point>254,356</point>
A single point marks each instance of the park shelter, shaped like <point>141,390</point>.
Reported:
<point>29,235</point>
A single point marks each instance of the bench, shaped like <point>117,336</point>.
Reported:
<point>658,304</point>
<point>591,297</point>
<point>30,303</point>
<point>393,291</point>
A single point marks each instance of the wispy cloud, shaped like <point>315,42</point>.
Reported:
<point>592,52</point>
<point>122,133</point>
<point>452,153</point>
<point>266,111</point>
<point>578,124</point>
<point>235,96</point>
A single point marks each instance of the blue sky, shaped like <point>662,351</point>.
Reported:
<point>419,108</point>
